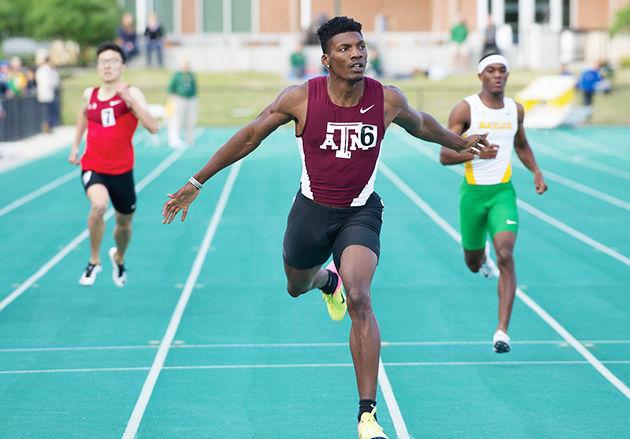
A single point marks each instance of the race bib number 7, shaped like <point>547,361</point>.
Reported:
<point>107,117</point>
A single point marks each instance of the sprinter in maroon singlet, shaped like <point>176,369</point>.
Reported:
<point>110,114</point>
<point>340,121</point>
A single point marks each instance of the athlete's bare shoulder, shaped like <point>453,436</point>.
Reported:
<point>395,105</point>
<point>394,97</point>
<point>291,98</point>
<point>87,93</point>
<point>291,104</point>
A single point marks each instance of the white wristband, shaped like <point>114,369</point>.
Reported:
<point>195,183</point>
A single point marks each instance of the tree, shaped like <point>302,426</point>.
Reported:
<point>88,22</point>
<point>13,18</point>
<point>622,21</point>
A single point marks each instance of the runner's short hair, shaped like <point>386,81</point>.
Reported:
<point>108,45</point>
<point>334,26</point>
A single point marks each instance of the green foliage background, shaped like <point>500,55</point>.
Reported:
<point>88,22</point>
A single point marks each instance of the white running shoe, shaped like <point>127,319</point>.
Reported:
<point>501,342</point>
<point>485,269</point>
<point>88,277</point>
<point>119,275</point>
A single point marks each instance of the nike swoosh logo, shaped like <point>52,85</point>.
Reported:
<point>365,110</point>
<point>510,222</point>
<point>112,103</point>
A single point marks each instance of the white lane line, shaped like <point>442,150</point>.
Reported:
<point>582,161</point>
<point>535,212</point>
<point>310,365</point>
<point>385,344</point>
<point>158,363</point>
<point>38,192</point>
<point>588,143</point>
<point>597,364</point>
<point>168,161</point>
<point>580,187</point>
<point>433,155</point>
<point>392,404</point>
<point>50,186</point>
<point>575,233</point>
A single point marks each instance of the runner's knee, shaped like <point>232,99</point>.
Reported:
<point>505,258</point>
<point>98,208</point>
<point>473,263</point>
<point>295,290</point>
<point>359,303</point>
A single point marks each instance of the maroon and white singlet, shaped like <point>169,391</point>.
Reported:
<point>111,125</point>
<point>340,146</point>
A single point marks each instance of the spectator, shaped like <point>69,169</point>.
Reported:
<point>376,63</point>
<point>31,83</point>
<point>17,80</point>
<point>490,38</point>
<point>182,91</point>
<point>298,63</point>
<point>380,21</point>
<point>459,34</point>
<point>587,83</point>
<point>127,38</point>
<point>153,35</point>
<point>4,78</point>
<point>47,83</point>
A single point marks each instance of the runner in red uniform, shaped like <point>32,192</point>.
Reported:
<point>110,115</point>
<point>340,121</point>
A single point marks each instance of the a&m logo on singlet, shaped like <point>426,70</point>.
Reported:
<point>352,135</point>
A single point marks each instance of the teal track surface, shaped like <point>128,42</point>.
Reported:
<point>240,358</point>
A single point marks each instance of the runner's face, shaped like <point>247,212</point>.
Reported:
<point>109,65</point>
<point>494,77</point>
<point>347,56</point>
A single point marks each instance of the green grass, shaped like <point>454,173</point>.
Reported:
<point>235,98</point>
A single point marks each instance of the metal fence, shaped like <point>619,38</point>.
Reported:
<point>23,117</point>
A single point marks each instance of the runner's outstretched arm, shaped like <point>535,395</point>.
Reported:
<point>459,122</point>
<point>282,110</point>
<point>424,126</point>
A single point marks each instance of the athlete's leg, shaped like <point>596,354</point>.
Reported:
<point>358,264</point>
<point>504,247</point>
<point>474,259</point>
<point>122,235</point>
<point>473,225</point>
<point>99,199</point>
<point>303,281</point>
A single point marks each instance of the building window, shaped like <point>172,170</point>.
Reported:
<point>128,6</point>
<point>165,12</point>
<point>213,15</point>
<point>566,14</point>
<point>542,11</point>
<point>227,15</point>
<point>511,18</point>
<point>241,15</point>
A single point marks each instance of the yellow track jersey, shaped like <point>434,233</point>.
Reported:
<point>501,125</point>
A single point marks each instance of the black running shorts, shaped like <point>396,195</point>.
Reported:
<point>315,231</point>
<point>121,188</point>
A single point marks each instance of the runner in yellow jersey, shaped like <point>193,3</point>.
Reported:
<point>488,200</point>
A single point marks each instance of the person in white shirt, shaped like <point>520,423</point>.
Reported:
<point>47,80</point>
